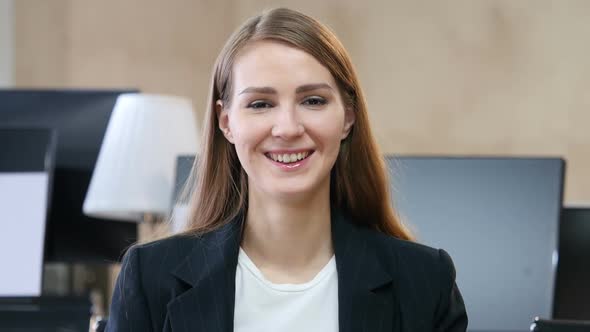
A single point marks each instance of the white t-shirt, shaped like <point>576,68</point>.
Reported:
<point>262,306</point>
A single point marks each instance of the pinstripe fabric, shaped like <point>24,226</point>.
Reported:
<point>384,284</point>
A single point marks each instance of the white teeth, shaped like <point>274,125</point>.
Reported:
<point>288,158</point>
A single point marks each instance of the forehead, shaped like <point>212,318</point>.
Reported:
<point>278,65</point>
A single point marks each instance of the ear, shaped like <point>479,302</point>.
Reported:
<point>349,118</point>
<point>223,120</point>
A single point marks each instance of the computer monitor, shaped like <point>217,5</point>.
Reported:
<point>80,118</point>
<point>498,218</point>
<point>572,289</point>
<point>26,167</point>
<point>179,208</point>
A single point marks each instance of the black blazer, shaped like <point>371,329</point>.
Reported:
<point>384,284</point>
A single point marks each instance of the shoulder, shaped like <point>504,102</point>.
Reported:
<point>147,270</point>
<point>414,260</point>
<point>150,265</point>
<point>161,255</point>
<point>146,284</point>
<point>169,246</point>
<point>425,280</point>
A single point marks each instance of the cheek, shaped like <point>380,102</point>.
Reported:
<point>244,150</point>
<point>328,130</point>
<point>247,135</point>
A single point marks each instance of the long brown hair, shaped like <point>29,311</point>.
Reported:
<point>359,182</point>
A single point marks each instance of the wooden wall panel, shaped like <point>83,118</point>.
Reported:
<point>462,77</point>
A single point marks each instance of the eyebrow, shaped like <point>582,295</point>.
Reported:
<point>300,89</point>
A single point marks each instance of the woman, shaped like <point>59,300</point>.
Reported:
<point>291,227</point>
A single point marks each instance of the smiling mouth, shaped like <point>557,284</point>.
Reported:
<point>288,158</point>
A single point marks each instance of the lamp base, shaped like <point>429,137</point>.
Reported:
<point>152,227</point>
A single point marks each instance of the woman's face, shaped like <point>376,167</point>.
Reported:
<point>286,119</point>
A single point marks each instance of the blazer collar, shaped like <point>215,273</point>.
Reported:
<point>365,288</point>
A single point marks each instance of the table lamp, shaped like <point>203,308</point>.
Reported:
<point>134,175</point>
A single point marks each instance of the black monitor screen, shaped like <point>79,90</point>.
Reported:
<point>80,118</point>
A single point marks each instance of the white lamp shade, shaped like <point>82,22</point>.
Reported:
<point>134,173</point>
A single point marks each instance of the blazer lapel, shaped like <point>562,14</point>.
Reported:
<point>208,274</point>
<point>365,288</point>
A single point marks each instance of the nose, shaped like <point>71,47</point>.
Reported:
<point>287,124</point>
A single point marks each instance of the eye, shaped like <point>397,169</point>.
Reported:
<point>315,101</point>
<point>257,104</point>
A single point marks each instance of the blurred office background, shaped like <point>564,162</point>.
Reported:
<point>453,77</point>
<point>487,78</point>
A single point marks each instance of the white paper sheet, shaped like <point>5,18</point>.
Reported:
<point>23,206</point>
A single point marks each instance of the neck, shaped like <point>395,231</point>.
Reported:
<point>289,235</point>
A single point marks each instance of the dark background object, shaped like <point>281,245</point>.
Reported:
<point>80,118</point>
<point>46,314</point>
<point>27,150</point>
<point>545,325</point>
<point>572,289</point>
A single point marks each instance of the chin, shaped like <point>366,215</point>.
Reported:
<point>292,192</point>
<point>298,191</point>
